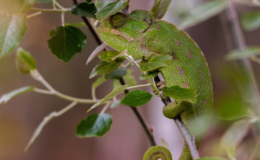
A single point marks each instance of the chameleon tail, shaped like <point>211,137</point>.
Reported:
<point>156,153</point>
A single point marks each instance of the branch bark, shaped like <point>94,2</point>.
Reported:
<point>147,128</point>
<point>184,132</point>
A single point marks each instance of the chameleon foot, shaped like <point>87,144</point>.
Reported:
<point>160,85</point>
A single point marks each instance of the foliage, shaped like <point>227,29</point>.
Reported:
<point>94,125</point>
<point>136,98</point>
<point>6,97</point>
<point>67,40</point>
<point>84,9</point>
<point>24,61</point>
<point>181,94</point>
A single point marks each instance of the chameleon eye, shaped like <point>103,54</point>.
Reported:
<point>117,20</point>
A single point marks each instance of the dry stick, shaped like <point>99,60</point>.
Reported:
<point>190,140</point>
<point>238,42</point>
<point>140,117</point>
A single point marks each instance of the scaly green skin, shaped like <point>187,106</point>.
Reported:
<point>144,37</point>
<point>157,152</point>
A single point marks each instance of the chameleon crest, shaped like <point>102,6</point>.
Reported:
<point>144,37</point>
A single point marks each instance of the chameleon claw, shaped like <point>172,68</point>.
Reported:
<point>160,85</point>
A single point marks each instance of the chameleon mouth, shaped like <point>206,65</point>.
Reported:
<point>116,32</point>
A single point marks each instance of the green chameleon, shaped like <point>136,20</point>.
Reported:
<point>144,37</point>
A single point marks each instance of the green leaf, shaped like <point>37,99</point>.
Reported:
<point>104,68</point>
<point>250,20</point>
<point>24,61</point>
<point>94,125</point>
<point>241,54</point>
<point>136,98</point>
<point>151,75</point>
<point>12,30</point>
<point>43,1</point>
<point>98,82</point>
<point>109,96</point>
<point>101,4</point>
<point>233,136</point>
<point>66,41</point>
<point>84,9</point>
<point>76,24</point>
<point>116,74</point>
<point>115,104</point>
<point>181,94</point>
<point>6,97</point>
<point>161,58</point>
<point>108,55</point>
<point>155,63</point>
<point>116,83</point>
<point>211,158</point>
<point>231,108</point>
<point>88,1</point>
<point>15,7</point>
<point>203,12</point>
<point>160,7</point>
<point>111,9</point>
<point>129,79</point>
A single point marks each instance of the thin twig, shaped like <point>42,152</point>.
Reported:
<point>46,120</point>
<point>136,111</point>
<point>142,120</point>
<point>37,76</point>
<point>188,138</point>
<point>34,14</point>
<point>184,132</point>
<point>53,4</point>
<point>50,10</point>
<point>104,109</point>
<point>63,18</point>
<point>138,86</point>
<point>60,6</point>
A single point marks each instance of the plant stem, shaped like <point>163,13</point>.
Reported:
<point>184,132</point>
<point>53,4</point>
<point>140,117</point>
<point>50,10</point>
<point>254,58</point>
<point>105,108</point>
<point>153,86</point>
<point>37,76</point>
<point>138,86</point>
<point>63,18</point>
<point>136,111</point>
<point>34,14</point>
<point>46,120</point>
<point>60,6</point>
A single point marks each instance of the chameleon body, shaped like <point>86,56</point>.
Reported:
<point>144,37</point>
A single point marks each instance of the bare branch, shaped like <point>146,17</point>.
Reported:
<point>184,132</point>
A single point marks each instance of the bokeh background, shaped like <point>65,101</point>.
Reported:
<point>126,140</point>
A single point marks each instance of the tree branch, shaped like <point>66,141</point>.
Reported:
<point>140,117</point>
<point>184,132</point>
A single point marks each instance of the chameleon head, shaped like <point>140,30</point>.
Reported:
<point>119,29</point>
